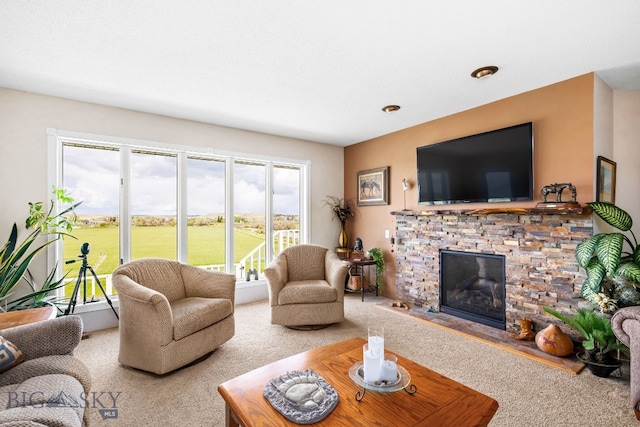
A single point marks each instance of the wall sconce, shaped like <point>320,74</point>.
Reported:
<point>405,187</point>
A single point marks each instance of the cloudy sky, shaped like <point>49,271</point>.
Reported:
<point>92,176</point>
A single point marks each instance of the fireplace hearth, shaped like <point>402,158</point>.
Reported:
<point>472,286</point>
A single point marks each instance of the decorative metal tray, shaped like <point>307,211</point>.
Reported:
<point>303,397</point>
<point>356,373</point>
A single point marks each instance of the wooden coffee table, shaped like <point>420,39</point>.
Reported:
<point>439,401</point>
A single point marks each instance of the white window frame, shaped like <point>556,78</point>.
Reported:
<point>56,138</point>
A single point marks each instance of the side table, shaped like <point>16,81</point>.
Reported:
<point>11,319</point>
<point>361,264</point>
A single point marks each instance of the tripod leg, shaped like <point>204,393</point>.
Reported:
<point>74,295</point>
<point>95,276</point>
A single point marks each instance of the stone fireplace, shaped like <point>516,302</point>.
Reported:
<point>537,246</point>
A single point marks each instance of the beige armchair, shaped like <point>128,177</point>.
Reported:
<point>306,287</point>
<point>626,325</point>
<point>171,314</point>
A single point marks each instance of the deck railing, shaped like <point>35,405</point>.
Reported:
<point>255,260</point>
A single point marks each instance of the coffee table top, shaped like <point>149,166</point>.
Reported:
<point>439,401</point>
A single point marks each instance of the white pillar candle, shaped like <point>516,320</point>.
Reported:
<point>376,345</point>
<point>371,365</point>
<point>376,340</point>
<point>389,368</point>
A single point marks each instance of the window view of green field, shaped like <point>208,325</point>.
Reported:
<point>153,186</point>
<point>158,241</point>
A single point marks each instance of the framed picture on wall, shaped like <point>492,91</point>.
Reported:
<point>606,180</point>
<point>373,187</point>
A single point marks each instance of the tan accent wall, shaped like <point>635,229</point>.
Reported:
<point>562,116</point>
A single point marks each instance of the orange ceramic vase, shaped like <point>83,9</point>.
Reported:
<point>553,341</point>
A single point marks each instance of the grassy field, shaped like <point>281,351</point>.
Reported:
<point>205,246</point>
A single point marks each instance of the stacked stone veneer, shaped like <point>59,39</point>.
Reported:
<point>539,250</point>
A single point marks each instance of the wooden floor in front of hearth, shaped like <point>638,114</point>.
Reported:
<point>492,336</point>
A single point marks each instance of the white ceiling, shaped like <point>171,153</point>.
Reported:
<point>315,70</point>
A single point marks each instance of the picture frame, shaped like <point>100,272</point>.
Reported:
<point>373,187</point>
<point>605,180</point>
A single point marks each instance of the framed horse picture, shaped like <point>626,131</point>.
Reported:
<point>373,187</point>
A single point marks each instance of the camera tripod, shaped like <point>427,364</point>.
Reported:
<point>82,277</point>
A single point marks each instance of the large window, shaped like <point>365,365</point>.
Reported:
<point>217,211</point>
<point>206,211</point>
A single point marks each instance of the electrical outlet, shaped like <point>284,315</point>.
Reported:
<point>386,234</point>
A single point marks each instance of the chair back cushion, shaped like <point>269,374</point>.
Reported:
<point>161,275</point>
<point>305,262</point>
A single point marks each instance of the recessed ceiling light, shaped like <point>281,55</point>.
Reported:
<point>483,72</point>
<point>390,108</point>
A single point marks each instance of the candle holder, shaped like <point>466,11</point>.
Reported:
<point>403,382</point>
<point>379,371</point>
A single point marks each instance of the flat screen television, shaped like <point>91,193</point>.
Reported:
<point>495,166</point>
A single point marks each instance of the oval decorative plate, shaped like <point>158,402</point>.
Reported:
<point>303,397</point>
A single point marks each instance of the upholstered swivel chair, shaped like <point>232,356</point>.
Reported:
<point>306,287</point>
<point>171,314</point>
<point>626,325</point>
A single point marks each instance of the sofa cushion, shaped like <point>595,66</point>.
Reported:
<point>193,314</point>
<point>10,355</point>
<point>307,292</point>
<point>53,400</point>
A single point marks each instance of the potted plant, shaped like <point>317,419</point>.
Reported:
<point>16,257</point>
<point>604,256</point>
<point>376,255</point>
<point>600,343</point>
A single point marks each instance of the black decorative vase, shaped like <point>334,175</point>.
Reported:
<point>599,369</point>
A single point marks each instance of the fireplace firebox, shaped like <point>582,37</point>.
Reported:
<point>472,287</point>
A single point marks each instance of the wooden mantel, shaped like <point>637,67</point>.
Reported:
<point>558,209</point>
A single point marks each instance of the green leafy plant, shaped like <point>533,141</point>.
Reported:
<point>16,256</point>
<point>599,340</point>
<point>376,255</point>
<point>604,255</point>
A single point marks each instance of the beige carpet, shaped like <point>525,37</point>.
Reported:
<point>529,393</point>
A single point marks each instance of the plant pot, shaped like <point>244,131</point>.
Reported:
<point>599,369</point>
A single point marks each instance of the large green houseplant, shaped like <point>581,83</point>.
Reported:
<point>611,260</point>
<point>44,227</point>
<point>599,341</point>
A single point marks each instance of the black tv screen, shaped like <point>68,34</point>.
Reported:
<point>494,166</point>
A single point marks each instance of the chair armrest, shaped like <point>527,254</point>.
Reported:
<point>139,306</point>
<point>276,274</point>
<point>626,325</point>
<point>335,272</point>
<point>59,336</point>
<point>199,282</point>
